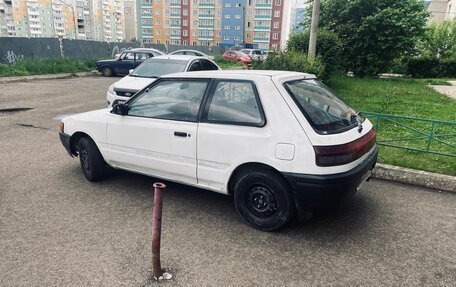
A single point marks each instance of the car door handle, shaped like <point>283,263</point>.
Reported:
<point>180,134</point>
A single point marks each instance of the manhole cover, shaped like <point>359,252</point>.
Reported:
<point>14,110</point>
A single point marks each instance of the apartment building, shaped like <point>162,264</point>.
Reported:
<point>130,20</point>
<point>251,23</point>
<point>99,20</point>
<point>441,10</point>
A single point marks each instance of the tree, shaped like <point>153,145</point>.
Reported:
<point>374,32</point>
<point>329,47</point>
<point>439,40</point>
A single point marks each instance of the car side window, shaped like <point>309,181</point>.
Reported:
<point>195,66</point>
<point>141,56</point>
<point>170,99</point>
<point>208,65</point>
<point>130,56</point>
<point>235,102</point>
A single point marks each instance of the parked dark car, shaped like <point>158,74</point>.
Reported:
<point>127,60</point>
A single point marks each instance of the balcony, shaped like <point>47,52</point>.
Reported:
<point>146,5</point>
<point>262,28</point>
<point>206,27</point>
<point>175,37</point>
<point>206,38</point>
<point>206,5</point>
<point>261,39</point>
<point>146,15</point>
<point>263,6</point>
<point>175,5</point>
<point>206,16</point>
<point>147,25</point>
<point>262,16</point>
<point>174,15</point>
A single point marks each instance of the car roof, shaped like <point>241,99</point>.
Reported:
<point>177,57</point>
<point>242,74</point>
<point>187,50</point>
<point>144,50</point>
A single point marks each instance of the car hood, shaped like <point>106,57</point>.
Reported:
<point>132,84</point>
<point>106,61</point>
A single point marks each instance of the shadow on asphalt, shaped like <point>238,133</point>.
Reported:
<point>352,217</point>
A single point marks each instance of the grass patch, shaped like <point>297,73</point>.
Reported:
<point>227,64</point>
<point>404,97</point>
<point>46,66</point>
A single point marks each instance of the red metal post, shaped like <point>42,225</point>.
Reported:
<point>156,229</point>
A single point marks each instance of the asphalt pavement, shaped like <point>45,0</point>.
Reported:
<point>57,229</point>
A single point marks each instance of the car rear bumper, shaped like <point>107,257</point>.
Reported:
<point>318,191</point>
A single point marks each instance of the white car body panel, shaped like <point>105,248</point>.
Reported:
<point>208,157</point>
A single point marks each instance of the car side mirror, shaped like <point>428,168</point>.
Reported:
<point>130,71</point>
<point>120,109</point>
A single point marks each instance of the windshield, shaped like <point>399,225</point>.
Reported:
<point>323,109</point>
<point>257,52</point>
<point>158,67</point>
<point>240,54</point>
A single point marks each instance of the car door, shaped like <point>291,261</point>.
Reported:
<point>232,131</point>
<point>158,135</point>
<point>207,65</point>
<point>125,63</point>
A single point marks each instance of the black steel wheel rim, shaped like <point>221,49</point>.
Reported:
<point>261,201</point>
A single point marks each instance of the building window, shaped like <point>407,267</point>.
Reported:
<point>157,32</point>
<point>226,38</point>
<point>185,33</point>
<point>277,14</point>
<point>227,27</point>
<point>185,22</point>
<point>185,12</point>
<point>237,17</point>
<point>236,38</point>
<point>227,16</point>
<point>237,27</point>
<point>276,25</point>
<point>248,35</point>
<point>227,5</point>
<point>278,2</point>
<point>275,36</point>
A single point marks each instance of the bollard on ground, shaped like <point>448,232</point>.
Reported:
<point>156,233</point>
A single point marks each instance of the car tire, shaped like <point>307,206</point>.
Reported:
<point>107,71</point>
<point>92,162</point>
<point>263,199</point>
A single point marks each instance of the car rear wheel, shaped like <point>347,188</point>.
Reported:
<point>107,71</point>
<point>263,199</point>
<point>92,162</point>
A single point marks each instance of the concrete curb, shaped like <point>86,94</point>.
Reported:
<point>436,181</point>
<point>7,80</point>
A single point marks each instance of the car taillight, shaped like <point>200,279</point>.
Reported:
<point>344,153</point>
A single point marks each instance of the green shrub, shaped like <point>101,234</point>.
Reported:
<point>431,67</point>
<point>291,61</point>
<point>329,47</point>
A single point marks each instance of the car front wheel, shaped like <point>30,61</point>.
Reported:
<point>92,162</point>
<point>263,199</point>
<point>107,71</point>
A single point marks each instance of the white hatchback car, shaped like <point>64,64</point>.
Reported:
<point>280,142</point>
<point>152,69</point>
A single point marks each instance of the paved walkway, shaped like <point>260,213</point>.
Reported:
<point>449,91</point>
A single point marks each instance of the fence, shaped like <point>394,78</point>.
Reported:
<point>15,48</point>
<point>416,134</point>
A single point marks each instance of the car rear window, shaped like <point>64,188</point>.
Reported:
<point>325,112</point>
<point>158,67</point>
